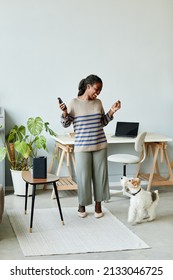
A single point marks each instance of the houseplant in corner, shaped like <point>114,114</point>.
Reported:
<point>23,144</point>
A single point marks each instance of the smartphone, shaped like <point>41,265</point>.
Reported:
<point>60,102</point>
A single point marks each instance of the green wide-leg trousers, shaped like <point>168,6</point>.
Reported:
<point>92,171</point>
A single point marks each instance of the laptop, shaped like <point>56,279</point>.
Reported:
<point>126,129</point>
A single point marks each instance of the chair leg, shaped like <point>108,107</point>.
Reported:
<point>124,170</point>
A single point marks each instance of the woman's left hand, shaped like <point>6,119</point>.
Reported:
<point>115,107</point>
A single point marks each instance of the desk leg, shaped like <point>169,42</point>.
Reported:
<point>26,197</point>
<point>68,164</point>
<point>51,165</point>
<point>58,202</point>
<point>32,206</point>
<point>58,170</point>
<point>53,159</point>
<point>60,162</point>
<point>153,167</point>
<point>168,165</point>
<point>153,151</point>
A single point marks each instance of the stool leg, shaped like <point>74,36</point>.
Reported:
<point>124,170</point>
<point>58,202</point>
<point>26,197</point>
<point>32,206</point>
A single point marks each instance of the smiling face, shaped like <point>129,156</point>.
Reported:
<point>93,90</point>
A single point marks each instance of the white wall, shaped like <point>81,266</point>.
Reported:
<point>48,46</point>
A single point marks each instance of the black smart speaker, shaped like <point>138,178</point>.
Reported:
<point>40,167</point>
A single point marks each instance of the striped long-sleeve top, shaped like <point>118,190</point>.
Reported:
<point>88,118</point>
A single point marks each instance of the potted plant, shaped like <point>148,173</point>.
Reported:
<point>23,144</point>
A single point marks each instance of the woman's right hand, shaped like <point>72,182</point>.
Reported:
<point>63,107</point>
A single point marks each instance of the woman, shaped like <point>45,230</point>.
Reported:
<point>90,146</point>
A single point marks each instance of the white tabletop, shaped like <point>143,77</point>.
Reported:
<point>150,137</point>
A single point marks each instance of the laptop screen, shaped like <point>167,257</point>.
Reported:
<point>127,129</point>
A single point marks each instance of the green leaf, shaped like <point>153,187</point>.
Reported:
<point>16,133</point>
<point>48,129</point>
<point>41,142</point>
<point>3,152</point>
<point>35,126</point>
<point>22,148</point>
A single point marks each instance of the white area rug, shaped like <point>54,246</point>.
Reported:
<point>78,235</point>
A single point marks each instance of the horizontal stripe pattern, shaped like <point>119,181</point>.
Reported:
<point>88,128</point>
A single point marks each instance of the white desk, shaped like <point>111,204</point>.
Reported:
<point>150,138</point>
<point>156,143</point>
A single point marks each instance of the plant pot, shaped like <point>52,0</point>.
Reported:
<point>19,184</point>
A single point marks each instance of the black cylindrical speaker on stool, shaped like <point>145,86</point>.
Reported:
<point>40,167</point>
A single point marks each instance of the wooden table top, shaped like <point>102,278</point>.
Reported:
<point>28,177</point>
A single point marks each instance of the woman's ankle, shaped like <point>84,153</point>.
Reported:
<point>98,207</point>
<point>81,208</point>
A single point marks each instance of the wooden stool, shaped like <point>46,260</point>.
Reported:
<point>51,179</point>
